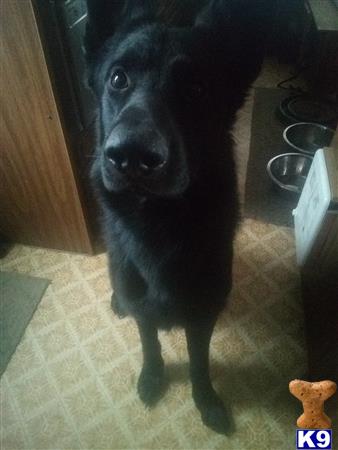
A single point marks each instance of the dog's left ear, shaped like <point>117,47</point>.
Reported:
<point>251,16</point>
<point>241,28</point>
<point>105,16</point>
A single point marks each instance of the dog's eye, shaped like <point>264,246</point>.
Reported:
<point>195,91</point>
<point>119,80</point>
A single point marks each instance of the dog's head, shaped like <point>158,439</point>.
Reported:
<point>165,93</point>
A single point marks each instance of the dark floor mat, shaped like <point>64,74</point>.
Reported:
<point>262,201</point>
<point>19,298</point>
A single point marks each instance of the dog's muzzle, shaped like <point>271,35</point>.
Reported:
<point>135,156</point>
<point>134,160</point>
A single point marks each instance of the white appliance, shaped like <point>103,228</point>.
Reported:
<point>316,215</point>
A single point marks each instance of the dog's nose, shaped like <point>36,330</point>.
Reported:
<point>133,161</point>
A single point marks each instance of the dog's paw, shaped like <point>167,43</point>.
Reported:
<point>217,418</point>
<point>116,307</point>
<point>150,386</point>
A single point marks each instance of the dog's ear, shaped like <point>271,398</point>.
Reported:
<point>215,15</point>
<point>137,11</point>
<point>105,16</point>
<point>101,22</point>
<point>242,29</point>
<point>244,18</point>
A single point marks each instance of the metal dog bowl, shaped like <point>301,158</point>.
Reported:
<point>288,171</point>
<point>305,108</point>
<point>308,137</point>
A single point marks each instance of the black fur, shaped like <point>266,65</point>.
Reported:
<point>169,233</point>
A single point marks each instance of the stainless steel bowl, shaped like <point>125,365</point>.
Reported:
<point>288,171</point>
<point>308,137</point>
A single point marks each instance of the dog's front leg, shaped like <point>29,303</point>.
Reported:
<point>151,380</point>
<point>127,283</point>
<point>207,401</point>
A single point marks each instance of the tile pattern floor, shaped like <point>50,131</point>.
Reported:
<point>71,382</point>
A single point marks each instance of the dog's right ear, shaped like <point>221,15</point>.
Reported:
<point>243,18</point>
<point>101,22</point>
<point>104,16</point>
<point>214,15</point>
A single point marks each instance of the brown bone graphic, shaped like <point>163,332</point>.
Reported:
<point>313,395</point>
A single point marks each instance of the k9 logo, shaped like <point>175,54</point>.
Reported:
<point>316,439</point>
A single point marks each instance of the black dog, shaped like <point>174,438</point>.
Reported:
<point>164,172</point>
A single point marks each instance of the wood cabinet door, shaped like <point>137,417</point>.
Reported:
<point>39,196</point>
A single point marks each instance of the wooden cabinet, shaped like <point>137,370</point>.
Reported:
<point>41,199</point>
